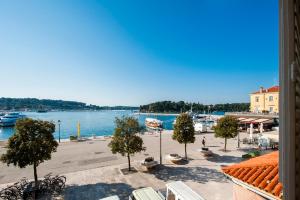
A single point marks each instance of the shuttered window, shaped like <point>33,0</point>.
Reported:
<point>290,98</point>
<point>296,80</point>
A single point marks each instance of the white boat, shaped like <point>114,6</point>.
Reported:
<point>10,119</point>
<point>200,127</point>
<point>152,123</point>
<point>200,117</point>
<point>203,122</point>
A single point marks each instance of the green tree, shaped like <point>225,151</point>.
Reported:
<point>226,128</point>
<point>31,144</point>
<point>184,130</point>
<point>125,139</point>
<point>181,106</point>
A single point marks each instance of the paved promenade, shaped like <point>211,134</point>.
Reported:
<point>93,172</point>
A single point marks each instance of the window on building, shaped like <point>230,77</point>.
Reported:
<point>271,109</point>
<point>270,98</point>
<point>256,99</point>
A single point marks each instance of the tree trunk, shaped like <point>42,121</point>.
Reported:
<point>185,151</point>
<point>128,157</point>
<point>35,175</point>
<point>225,144</point>
<point>239,140</point>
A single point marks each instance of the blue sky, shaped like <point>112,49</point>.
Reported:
<point>115,52</point>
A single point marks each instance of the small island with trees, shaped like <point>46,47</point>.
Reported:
<point>181,106</point>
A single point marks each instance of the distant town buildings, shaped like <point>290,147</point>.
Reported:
<point>265,100</point>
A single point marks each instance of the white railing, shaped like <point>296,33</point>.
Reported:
<point>273,115</point>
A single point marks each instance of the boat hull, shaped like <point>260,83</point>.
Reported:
<point>153,124</point>
<point>7,124</point>
<point>9,120</point>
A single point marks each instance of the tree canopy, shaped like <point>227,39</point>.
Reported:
<point>49,104</point>
<point>31,144</point>
<point>125,139</point>
<point>226,128</point>
<point>184,131</point>
<point>181,106</point>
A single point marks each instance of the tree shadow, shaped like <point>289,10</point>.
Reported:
<point>212,146</point>
<point>248,149</point>
<point>224,159</point>
<point>182,162</point>
<point>223,150</point>
<point>97,191</point>
<point>197,174</point>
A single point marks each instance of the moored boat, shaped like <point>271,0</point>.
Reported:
<point>200,127</point>
<point>10,119</point>
<point>153,123</point>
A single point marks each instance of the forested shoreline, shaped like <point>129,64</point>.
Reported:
<point>181,106</point>
<point>33,104</point>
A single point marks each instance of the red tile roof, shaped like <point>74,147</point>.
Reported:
<point>271,89</point>
<point>260,172</point>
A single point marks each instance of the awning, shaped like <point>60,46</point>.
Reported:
<point>263,121</point>
<point>248,120</point>
<point>241,118</point>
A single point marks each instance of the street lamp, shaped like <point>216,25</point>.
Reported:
<point>59,130</point>
<point>160,156</point>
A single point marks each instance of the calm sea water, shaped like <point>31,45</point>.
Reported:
<point>91,123</point>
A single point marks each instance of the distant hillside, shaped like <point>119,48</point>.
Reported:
<point>181,106</point>
<point>32,104</point>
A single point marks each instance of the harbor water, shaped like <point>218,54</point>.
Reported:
<point>92,123</point>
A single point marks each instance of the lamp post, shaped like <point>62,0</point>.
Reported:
<point>239,139</point>
<point>160,156</point>
<point>59,130</point>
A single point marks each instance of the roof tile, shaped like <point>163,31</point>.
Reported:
<point>260,172</point>
<point>262,176</point>
<point>246,170</point>
<point>271,89</point>
<point>255,175</point>
<point>277,190</point>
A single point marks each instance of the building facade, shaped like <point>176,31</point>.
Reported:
<point>265,100</point>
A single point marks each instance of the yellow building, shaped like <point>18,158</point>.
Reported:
<point>265,100</point>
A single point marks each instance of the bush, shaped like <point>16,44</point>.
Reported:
<point>73,137</point>
<point>149,159</point>
<point>252,154</point>
<point>174,155</point>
